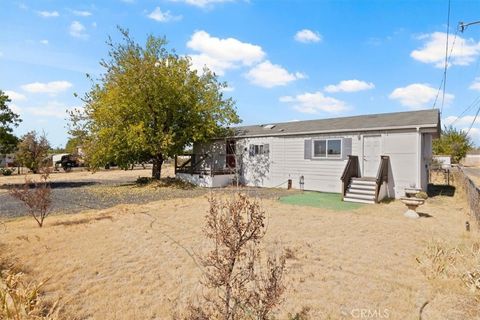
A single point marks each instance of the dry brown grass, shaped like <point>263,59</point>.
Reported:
<point>21,299</point>
<point>103,175</point>
<point>143,262</point>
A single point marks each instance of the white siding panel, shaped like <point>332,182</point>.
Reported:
<point>402,150</point>
<point>287,161</point>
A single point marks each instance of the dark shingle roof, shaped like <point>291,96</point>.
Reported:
<point>384,121</point>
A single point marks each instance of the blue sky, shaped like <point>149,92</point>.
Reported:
<point>283,60</point>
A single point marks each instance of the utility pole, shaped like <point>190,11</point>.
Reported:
<point>462,26</point>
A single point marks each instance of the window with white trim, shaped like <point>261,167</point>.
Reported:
<point>259,149</point>
<point>327,149</point>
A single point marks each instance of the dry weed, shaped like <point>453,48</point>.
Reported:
<point>239,286</point>
<point>37,200</point>
<point>20,300</point>
<point>461,263</point>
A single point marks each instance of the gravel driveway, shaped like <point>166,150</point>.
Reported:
<point>81,192</point>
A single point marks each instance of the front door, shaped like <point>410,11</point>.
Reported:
<point>231,154</point>
<point>372,149</point>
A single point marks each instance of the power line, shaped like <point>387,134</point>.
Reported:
<point>448,61</point>
<point>446,58</point>
<point>474,119</point>
<point>473,104</point>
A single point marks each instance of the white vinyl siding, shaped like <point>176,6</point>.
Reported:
<point>287,160</point>
<point>290,157</point>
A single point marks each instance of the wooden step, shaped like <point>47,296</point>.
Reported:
<point>363,186</point>
<point>362,191</point>
<point>364,179</point>
<point>364,182</point>
<point>358,200</point>
<point>360,196</point>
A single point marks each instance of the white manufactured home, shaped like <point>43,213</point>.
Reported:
<point>365,158</point>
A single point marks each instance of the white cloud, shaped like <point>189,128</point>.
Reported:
<point>270,75</point>
<point>16,109</point>
<point>475,84</point>
<point>220,55</point>
<point>433,50</point>
<point>315,102</point>
<point>418,95</point>
<point>199,61</point>
<point>349,86</point>
<point>15,96</point>
<point>48,14</point>
<point>81,13</point>
<point>474,134</point>
<point>306,36</point>
<point>228,89</point>
<point>51,109</point>
<point>44,41</point>
<point>202,3</point>
<point>53,87</point>
<point>162,16</point>
<point>462,121</point>
<point>78,30</point>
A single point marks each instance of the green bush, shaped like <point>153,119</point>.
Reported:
<point>6,171</point>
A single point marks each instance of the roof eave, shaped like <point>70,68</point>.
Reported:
<point>424,126</point>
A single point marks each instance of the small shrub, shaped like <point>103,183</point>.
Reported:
<point>6,171</point>
<point>240,287</point>
<point>421,195</point>
<point>37,199</point>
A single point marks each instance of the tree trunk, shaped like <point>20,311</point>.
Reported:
<point>157,166</point>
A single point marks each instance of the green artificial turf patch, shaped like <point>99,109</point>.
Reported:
<point>331,201</point>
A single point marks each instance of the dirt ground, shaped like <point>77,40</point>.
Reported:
<point>113,176</point>
<point>137,261</point>
<point>78,191</point>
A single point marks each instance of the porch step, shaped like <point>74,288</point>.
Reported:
<point>364,181</point>
<point>362,186</point>
<point>347,199</point>
<point>369,191</point>
<point>361,190</point>
<point>352,195</point>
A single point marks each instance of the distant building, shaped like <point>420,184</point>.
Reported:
<point>472,159</point>
<point>7,160</point>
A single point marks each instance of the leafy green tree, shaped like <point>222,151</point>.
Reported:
<point>148,105</point>
<point>454,143</point>
<point>72,144</point>
<point>8,120</point>
<point>32,150</point>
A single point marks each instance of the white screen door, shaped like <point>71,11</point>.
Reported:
<point>372,149</point>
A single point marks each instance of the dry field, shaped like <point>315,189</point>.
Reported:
<point>138,261</point>
<point>103,176</point>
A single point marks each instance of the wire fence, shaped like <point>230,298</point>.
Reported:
<point>472,192</point>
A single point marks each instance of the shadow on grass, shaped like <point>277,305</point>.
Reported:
<point>434,190</point>
<point>54,185</point>
<point>167,182</point>
<point>81,221</point>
